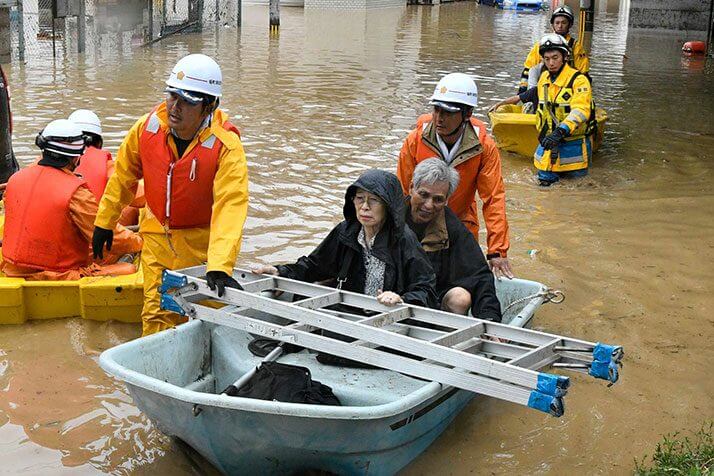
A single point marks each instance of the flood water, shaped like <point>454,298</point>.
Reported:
<point>631,245</point>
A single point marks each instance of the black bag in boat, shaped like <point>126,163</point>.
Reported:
<point>287,383</point>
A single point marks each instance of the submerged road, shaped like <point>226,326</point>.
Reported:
<point>631,245</point>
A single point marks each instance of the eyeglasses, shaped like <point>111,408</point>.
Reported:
<point>359,200</point>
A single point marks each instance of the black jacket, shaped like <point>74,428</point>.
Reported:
<point>408,272</point>
<point>458,260</point>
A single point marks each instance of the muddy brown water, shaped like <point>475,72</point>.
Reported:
<point>631,245</point>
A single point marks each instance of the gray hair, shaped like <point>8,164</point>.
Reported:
<point>435,170</point>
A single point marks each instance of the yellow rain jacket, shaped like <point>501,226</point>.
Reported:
<point>218,244</point>
<point>569,105</point>
<point>578,59</point>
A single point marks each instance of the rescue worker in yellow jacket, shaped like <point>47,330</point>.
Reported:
<point>195,181</point>
<point>561,20</point>
<point>565,116</point>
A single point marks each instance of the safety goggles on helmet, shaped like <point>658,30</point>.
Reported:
<point>446,106</point>
<point>67,146</point>
<point>188,96</point>
<point>553,41</point>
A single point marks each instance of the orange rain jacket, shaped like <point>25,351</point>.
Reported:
<point>479,165</point>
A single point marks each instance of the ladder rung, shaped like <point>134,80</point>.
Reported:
<point>386,318</point>
<point>460,335</point>
<point>537,355</point>
<point>316,302</point>
<point>259,285</point>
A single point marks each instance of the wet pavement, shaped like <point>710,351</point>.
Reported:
<point>631,245</point>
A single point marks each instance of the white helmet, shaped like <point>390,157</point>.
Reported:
<point>87,121</point>
<point>563,11</point>
<point>553,41</point>
<point>62,137</point>
<point>195,73</point>
<point>455,88</point>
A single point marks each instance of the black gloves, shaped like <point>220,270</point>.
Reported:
<point>552,140</point>
<point>522,89</point>
<point>101,237</point>
<point>218,281</point>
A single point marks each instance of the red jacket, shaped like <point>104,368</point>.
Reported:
<point>93,167</point>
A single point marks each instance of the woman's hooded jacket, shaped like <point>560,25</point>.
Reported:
<point>408,271</point>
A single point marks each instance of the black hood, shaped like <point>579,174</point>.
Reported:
<point>386,186</point>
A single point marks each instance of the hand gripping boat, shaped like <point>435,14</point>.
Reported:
<point>516,132</point>
<point>388,416</point>
<point>100,298</point>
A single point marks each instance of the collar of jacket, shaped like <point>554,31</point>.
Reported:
<point>214,128</point>
<point>563,76</point>
<point>436,235</point>
<point>470,145</point>
<point>380,248</point>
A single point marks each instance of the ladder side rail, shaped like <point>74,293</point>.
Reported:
<point>444,375</point>
<point>470,362</point>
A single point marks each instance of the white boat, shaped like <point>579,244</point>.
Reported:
<point>387,418</point>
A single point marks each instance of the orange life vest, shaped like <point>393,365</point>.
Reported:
<point>462,202</point>
<point>179,192</point>
<point>93,169</point>
<point>39,232</point>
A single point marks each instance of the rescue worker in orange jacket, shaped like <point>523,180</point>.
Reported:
<point>561,20</point>
<point>97,165</point>
<point>50,212</point>
<point>196,184</point>
<point>453,135</point>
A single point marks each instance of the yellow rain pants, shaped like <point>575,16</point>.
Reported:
<point>190,250</point>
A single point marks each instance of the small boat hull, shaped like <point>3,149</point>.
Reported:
<point>387,419</point>
<point>516,132</point>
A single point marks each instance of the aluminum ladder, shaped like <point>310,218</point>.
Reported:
<point>481,356</point>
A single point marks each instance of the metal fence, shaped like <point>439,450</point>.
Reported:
<point>35,35</point>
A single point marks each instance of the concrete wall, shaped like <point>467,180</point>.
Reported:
<point>670,15</point>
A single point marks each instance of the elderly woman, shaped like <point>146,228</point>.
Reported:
<point>371,251</point>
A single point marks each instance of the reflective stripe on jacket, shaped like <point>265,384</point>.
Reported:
<point>93,167</point>
<point>479,165</point>
<point>39,231</point>
<point>179,192</point>
<point>569,105</point>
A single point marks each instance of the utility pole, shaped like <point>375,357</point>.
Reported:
<point>710,30</point>
<point>5,33</point>
<point>21,32</point>
<point>587,23</point>
<point>274,16</point>
<point>81,26</point>
<point>239,8</point>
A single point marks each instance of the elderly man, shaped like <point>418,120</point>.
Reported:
<point>463,278</point>
<point>460,140</point>
<point>196,184</point>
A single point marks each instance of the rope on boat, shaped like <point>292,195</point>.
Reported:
<point>556,296</point>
